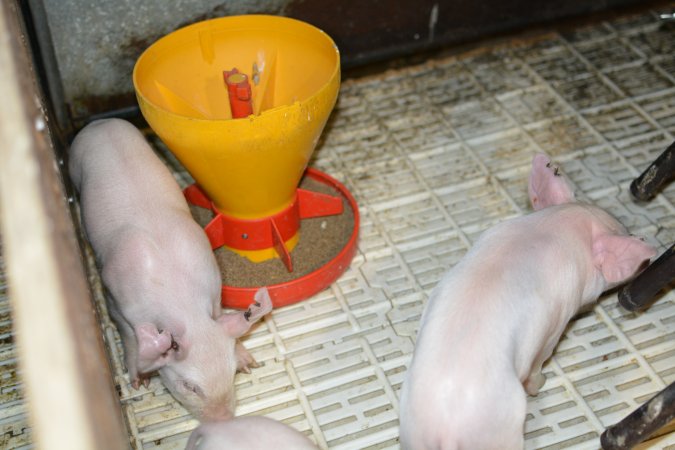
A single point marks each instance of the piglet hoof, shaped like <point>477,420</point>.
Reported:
<point>138,380</point>
<point>534,383</point>
<point>246,367</point>
<point>245,362</point>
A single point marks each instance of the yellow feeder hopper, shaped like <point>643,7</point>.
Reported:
<point>247,168</point>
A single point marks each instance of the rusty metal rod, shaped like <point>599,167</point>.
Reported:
<point>641,423</point>
<point>659,172</point>
<point>639,293</point>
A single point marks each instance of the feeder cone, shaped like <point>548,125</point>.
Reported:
<point>247,169</point>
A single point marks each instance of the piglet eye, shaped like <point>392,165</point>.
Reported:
<point>192,388</point>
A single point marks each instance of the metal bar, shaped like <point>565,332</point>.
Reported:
<point>47,58</point>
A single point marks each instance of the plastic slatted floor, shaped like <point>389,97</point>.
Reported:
<point>15,431</point>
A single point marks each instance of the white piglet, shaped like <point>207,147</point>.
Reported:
<point>163,283</point>
<point>496,317</point>
<point>247,433</point>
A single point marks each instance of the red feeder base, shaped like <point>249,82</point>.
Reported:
<point>274,231</point>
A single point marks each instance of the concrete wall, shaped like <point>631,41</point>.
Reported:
<point>96,42</point>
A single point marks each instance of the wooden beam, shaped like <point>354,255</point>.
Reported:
<point>68,384</point>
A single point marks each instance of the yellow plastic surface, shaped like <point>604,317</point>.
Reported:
<point>267,253</point>
<point>249,167</point>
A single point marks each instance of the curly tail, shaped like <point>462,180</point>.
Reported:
<point>195,437</point>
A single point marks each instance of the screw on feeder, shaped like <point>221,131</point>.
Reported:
<point>239,90</point>
<point>255,74</point>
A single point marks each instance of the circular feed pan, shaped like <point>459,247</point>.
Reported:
<point>307,285</point>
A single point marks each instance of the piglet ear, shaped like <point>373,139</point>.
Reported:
<point>620,257</point>
<point>237,324</point>
<point>153,346</point>
<point>547,185</point>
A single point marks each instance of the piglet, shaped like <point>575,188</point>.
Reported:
<point>247,433</point>
<point>162,280</point>
<point>497,315</point>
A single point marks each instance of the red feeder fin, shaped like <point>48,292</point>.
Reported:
<point>194,195</point>
<point>215,231</point>
<point>280,246</point>
<point>315,204</point>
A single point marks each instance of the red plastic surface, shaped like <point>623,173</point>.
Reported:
<point>245,234</point>
<point>266,232</point>
<point>239,90</point>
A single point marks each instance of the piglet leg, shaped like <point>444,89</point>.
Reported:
<point>130,345</point>
<point>131,355</point>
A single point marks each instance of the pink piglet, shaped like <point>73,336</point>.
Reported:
<point>162,281</point>
<point>497,315</point>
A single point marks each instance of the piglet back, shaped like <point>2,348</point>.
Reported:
<point>121,182</point>
<point>114,153</point>
<point>247,433</point>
